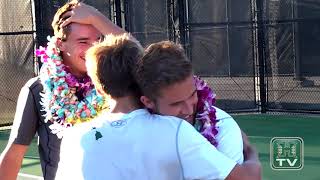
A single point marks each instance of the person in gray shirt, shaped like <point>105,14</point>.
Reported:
<point>43,105</point>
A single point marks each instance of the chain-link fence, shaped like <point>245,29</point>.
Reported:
<point>291,54</point>
<point>221,46</point>
<point>16,53</point>
<point>147,20</point>
<point>19,23</point>
<point>222,54</point>
<point>256,55</point>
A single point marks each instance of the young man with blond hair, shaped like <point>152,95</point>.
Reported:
<point>44,106</point>
<point>169,87</point>
<point>129,142</point>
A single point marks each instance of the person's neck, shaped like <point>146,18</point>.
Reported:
<point>76,74</point>
<point>124,105</point>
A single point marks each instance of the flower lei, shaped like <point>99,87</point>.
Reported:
<point>59,99</point>
<point>205,120</point>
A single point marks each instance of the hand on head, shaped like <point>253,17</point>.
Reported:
<point>81,13</point>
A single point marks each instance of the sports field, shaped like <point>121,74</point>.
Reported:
<point>260,129</point>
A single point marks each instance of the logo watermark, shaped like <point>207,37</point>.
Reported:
<point>286,153</point>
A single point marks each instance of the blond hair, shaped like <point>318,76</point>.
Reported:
<point>60,17</point>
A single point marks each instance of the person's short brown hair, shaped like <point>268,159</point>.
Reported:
<point>60,17</point>
<point>163,64</point>
<point>111,63</point>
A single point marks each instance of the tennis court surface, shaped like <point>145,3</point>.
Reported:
<point>260,128</point>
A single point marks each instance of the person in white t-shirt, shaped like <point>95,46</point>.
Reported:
<point>128,142</point>
<point>169,87</point>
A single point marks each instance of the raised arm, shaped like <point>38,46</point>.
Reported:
<point>85,14</point>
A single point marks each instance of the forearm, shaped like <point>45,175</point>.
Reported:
<point>85,14</point>
<point>105,26</point>
<point>11,160</point>
<point>249,170</point>
<point>252,170</point>
<point>9,168</point>
<point>252,164</point>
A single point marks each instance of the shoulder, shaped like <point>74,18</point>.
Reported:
<point>158,124</point>
<point>170,121</point>
<point>34,84</point>
<point>30,94</point>
<point>163,117</point>
<point>74,136</point>
<point>144,115</point>
<point>221,114</point>
<point>225,119</point>
<point>78,129</point>
<point>229,137</point>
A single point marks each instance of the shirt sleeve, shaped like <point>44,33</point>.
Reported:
<point>198,158</point>
<point>229,137</point>
<point>26,119</point>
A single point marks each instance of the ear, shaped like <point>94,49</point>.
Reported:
<point>60,44</point>
<point>147,102</point>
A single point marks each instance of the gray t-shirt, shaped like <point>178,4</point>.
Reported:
<point>28,120</point>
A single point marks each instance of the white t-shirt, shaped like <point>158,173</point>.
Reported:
<point>139,146</point>
<point>229,137</point>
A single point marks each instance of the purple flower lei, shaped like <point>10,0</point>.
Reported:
<point>205,121</point>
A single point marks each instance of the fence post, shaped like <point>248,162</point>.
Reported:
<point>127,13</point>
<point>184,26</point>
<point>182,22</point>
<point>261,56</point>
<point>297,63</point>
<point>170,11</point>
<point>117,5</point>
<point>40,39</point>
